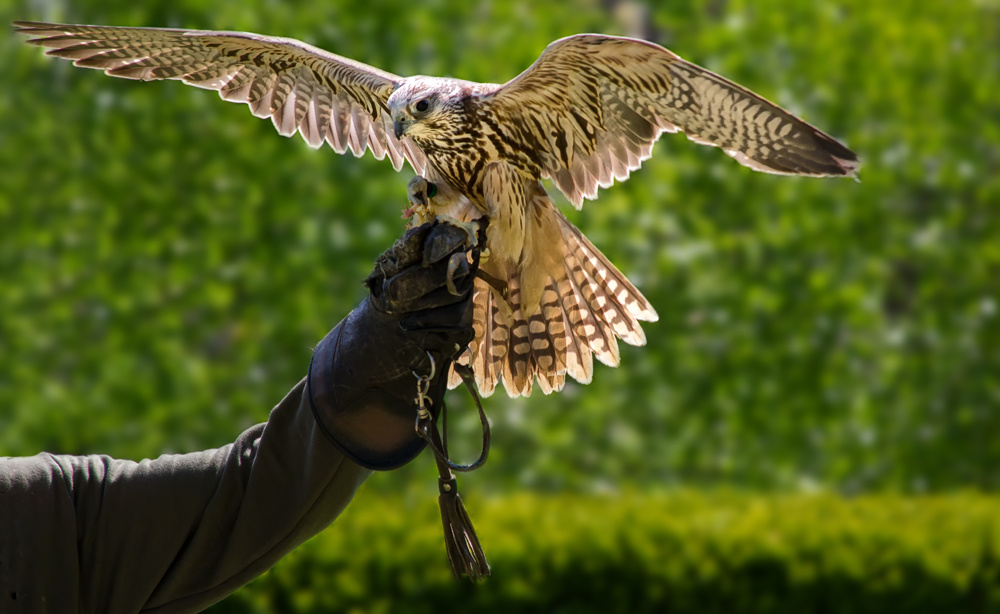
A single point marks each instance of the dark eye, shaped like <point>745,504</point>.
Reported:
<point>422,106</point>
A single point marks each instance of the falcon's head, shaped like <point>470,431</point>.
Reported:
<point>427,108</point>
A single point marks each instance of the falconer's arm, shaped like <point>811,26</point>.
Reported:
<point>178,533</point>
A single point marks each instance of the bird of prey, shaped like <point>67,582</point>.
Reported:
<point>585,114</point>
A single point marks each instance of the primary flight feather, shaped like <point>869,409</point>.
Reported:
<point>586,113</point>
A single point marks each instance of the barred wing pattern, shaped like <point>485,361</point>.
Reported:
<point>324,97</point>
<point>591,107</point>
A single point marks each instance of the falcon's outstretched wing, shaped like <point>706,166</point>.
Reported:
<point>591,107</point>
<point>301,88</point>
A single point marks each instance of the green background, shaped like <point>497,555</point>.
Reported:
<point>167,261</point>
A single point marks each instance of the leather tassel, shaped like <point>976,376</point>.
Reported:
<point>464,552</point>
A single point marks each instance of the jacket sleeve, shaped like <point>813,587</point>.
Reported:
<point>175,534</point>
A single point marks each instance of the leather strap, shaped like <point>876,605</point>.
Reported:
<point>426,424</point>
<point>465,554</point>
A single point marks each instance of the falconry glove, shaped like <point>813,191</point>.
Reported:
<point>377,381</point>
<point>361,380</point>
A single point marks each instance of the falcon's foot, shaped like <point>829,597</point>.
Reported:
<point>419,192</point>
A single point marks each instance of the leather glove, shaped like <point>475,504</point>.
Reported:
<point>362,384</point>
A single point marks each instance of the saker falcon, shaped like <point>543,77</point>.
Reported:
<point>586,113</point>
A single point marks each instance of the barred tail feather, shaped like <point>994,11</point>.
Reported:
<point>489,347</point>
<point>579,357</point>
<point>497,342</point>
<point>546,334</point>
<point>593,329</point>
<point>615,317</point>
<point>519,368</point>
<point>585,307</point>
<point>479,348</point>
<point>618,286</point>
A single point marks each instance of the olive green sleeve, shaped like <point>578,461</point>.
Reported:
<point>174,534</point>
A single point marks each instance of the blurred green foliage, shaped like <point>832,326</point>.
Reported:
<point>682,553</point>
<point>167,261</point>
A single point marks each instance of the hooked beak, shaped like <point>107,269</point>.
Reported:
<point>400,127</point>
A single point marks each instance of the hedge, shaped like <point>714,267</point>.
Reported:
<point>677,553</point>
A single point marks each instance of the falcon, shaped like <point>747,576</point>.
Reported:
<point>585,114</point>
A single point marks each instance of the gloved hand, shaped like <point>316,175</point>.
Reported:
<point>361,384</point>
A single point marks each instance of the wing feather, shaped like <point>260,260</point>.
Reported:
<point>301,88</point>
<point>593,105</point>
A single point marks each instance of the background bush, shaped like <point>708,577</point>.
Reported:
<point>678,553</point>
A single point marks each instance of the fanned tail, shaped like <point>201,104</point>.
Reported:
<point>585,307</point>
